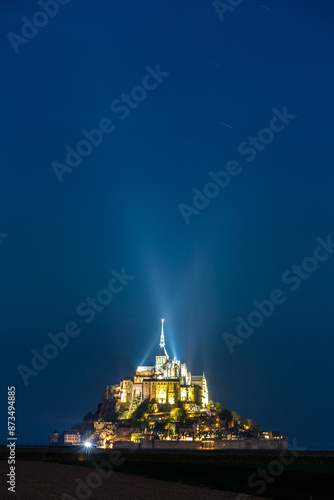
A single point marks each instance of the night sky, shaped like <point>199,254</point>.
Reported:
<point>248,91</point>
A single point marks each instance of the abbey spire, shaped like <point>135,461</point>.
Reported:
<point>162,356</point>
<point>162,336</point>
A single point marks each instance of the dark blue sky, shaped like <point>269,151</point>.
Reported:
<point>120,206</point>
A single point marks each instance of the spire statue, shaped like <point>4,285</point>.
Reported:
<point>162,336</point>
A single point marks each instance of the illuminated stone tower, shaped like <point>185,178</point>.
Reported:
<point>168,381</point>
<point>162,355</point>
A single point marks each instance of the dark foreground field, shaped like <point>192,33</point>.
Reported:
<point>51,481</point>
<point>48,473</point>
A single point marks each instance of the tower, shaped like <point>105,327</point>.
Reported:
<point>162,356</point>
<point>162,336</point>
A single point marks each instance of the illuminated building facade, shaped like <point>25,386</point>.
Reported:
<point>68,437</point>
<point>71,437</point>
<point>168,381</point>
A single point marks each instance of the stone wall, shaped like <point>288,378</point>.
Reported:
<point>249,444</point>
<point>126,445</point>
<point>146,444</point>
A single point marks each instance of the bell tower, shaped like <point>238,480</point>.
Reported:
<point>162,355</point>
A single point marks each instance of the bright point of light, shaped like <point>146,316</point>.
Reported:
<point>88,444</point>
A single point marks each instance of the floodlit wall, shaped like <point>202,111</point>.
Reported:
<point>146,444</point>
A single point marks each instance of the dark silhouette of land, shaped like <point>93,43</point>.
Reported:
<point>48,473</point>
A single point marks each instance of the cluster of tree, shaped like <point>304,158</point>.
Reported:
<point>106,412</point>
<point>180,413</point>
<point>141,409</point>
<point>224,413</point>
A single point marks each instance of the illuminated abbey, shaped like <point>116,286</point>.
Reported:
<point>168,381</point>
<point>164,406</point>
